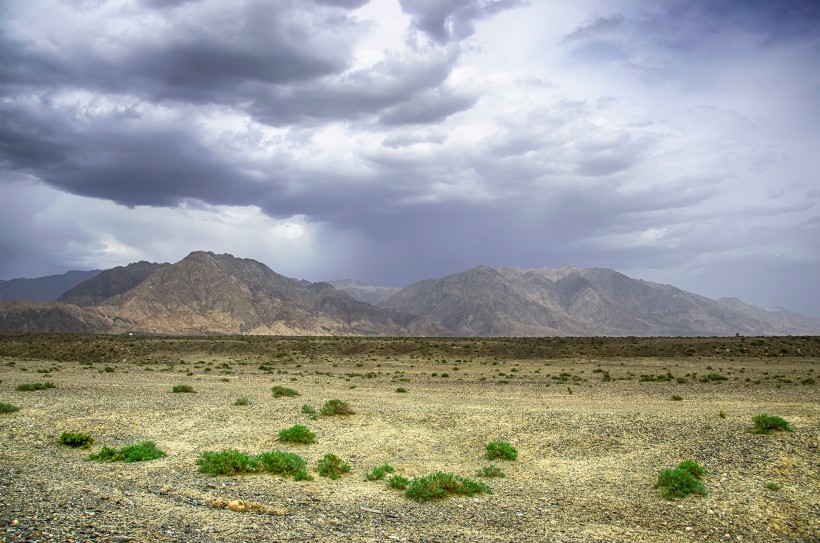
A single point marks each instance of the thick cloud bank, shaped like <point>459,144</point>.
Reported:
<point>395,140</point>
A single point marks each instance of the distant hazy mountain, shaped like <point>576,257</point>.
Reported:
<point>364,292</point>
<point>110,283</point>
<point>205,293</point>
<point>576,301</point>
<point>43,289</point>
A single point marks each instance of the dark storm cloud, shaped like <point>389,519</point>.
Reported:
<point>395,81</point>
<point>453,20</point>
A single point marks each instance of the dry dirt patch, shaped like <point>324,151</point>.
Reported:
<point>587,461</point>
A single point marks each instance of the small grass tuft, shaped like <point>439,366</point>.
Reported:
<point>183,388</point>
<point>440,485</point>
<point>766,424</point>
<point>501,449</point>
<point>227,462</point>
<point>398,482</point>
<point>676,398</point>
<point>283,392</point>
<point>140,452</point>
<point>8,408</point>
<point>490,471</point>
<point>297,434</point>
<point>76,440</point>
<point>242,400</point>
<point>401,390</point>
<point>31,387</point>
<point>379,472</point>
<point>310,412</point>
<point>331,466</point>
<point>774,486</point>
<point>681,481</point>
<point>336,407</point>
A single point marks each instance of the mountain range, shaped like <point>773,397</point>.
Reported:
<point>206,293</point>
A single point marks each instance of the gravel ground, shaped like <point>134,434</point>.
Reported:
<point>587,461</point>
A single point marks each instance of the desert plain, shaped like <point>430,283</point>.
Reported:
<point>594,420</point>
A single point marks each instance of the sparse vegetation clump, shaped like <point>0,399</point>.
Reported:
<point>234,462</point>
<point>139,452</point>
<point>8,408</point>
<point>379,472</point>
<point>440,485</point>
<point>297,434</point>
<point>76,440</point>
<point>502,450</point>
<point>677,398</point>
<point>336,407</point>
<point>183,388</point>
<point>31,387</point>
<point>490,471</point>
<point>766,424</point>
<point>682,480</point>
<point>310,412</point>
<point>398,482</point>
<point>331,466</point>
<point>401,390</point>
<point>283,392</point>
<point>283,463</point>
<point>227,462</point>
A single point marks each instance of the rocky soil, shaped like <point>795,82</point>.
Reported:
<point>590,449</point>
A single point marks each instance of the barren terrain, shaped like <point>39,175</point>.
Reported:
<point>591,432</point>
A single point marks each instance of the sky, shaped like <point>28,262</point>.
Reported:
<point>391,141</point>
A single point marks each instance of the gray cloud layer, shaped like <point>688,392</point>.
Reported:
<point>638,138</point>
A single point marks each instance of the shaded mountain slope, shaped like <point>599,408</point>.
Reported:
<point>43,289</point>
<point>110,283</point>
<point>21,317</point>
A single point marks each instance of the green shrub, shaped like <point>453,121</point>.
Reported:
<point>722,414</point>
<point>283,463</point>
<point>76,440</point>
<point>379,472</point>
<point>227,462</point>
<point>297,434</point>
<point>331,466</point>
<point>765,424</point>
<point>398,482</point>
<point>401,390</point>
<point>490,471</point>
<point>30,387</point>
<point>693,467</point>
<point>7,408</point>
<point>310,412</point>
<point>676,398</point>
<point>440,485</point>
<point>183,388</point>
<point>501,449</point>
<point>280,391</point>
<point>681,481</point>
<point>336,407</point>
<point>774,486</point>
<point>242,400</point>
<point>140,452</point>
